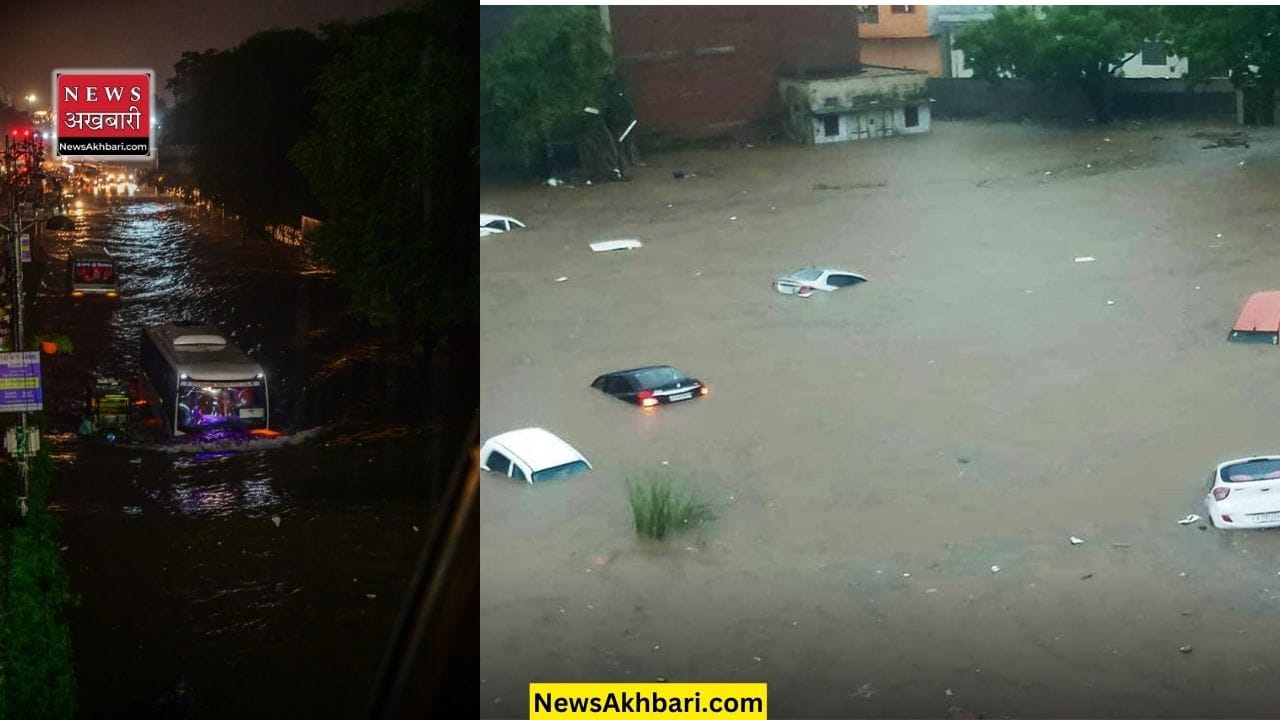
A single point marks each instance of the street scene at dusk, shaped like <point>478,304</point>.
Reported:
<point>239,361</point>
<point>923,395</point>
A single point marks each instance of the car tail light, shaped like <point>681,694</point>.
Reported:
<point>1226,518</point>
<point>704,390</point>
<point>111,294</point>
<point>1221,493</point>
<point>77,293</point>
<point>648,402</point>
<point>644,394</point>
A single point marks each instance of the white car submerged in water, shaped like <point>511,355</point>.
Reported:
<point>804,281</point>
<point>531,455</point>
<point>494,224</point>
<point>1244,494</point>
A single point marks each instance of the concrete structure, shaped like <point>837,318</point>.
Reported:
<point>878,102</point>
<point>1153,61</point>
<point>900,36</point>
<point>947,22</point>
<point>694,72</point>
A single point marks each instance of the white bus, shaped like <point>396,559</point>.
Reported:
<point>201,381</point>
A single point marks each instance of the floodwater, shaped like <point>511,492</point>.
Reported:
<point>871,454</point>
<point>178,562</point>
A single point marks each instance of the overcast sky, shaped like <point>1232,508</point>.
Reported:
<point>41,36</point>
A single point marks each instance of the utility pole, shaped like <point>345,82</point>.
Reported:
<point>22,160</point>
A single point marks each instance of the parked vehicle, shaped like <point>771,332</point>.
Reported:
<point>1245,494</point>
<point>804,281</point>
<point>531,455</point>
<point>1259,319</point>
<point>650,386</point>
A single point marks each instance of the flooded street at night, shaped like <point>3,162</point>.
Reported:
<point>895,468</point>
<point>270,578</point>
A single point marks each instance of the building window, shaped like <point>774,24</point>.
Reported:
<point>902,9</point>
<point>831,125</point>
<point>869,14</point>
<point>911,116</point>
<point>1153,54</point>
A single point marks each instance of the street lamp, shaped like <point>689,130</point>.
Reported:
<point>31,99</point>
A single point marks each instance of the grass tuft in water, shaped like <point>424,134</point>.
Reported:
<point>661,507</point>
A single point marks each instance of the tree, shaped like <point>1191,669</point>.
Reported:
<point>1242,41</point>
<point>393,164</point>
<point>547,66</point>
<point>1063,46</point>
<point>243,109</point>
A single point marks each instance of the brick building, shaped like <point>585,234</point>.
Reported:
<point>712,71</point>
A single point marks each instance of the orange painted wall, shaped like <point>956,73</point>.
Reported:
<point>914,53</point>
<point>914,24</point>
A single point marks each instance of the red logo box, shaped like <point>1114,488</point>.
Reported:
<point>103,114</point>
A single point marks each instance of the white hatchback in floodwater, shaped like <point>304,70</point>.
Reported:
<point>531,455</point>
<point>804,281</point>
<point>1244,494</point>
<point>492,224</point>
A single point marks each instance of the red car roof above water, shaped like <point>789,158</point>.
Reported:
<point>1261,313</point>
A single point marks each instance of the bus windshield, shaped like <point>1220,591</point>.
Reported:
<point>238,403</point>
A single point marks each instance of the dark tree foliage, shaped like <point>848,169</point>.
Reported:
<point>1063,45</point>
<point>538,75</point>
<point>243,109</point>
<point>392,158</point>
<point>1240,41</point>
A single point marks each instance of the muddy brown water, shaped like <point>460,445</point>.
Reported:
<point>176,559</point>
<point>872,453</point>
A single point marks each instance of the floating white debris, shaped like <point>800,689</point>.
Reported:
<point>371,596</point>
<point>562,278</point>
<point>1219,235</point>
<point>949,693</point>
<point>1111,302</point>
<point>906,574</point>
<point>1197,287</point>
<point>609,245</point>
<point>1076,541</point>
<point>1106,139</point>
<point>735,217</point>
<point>1086,258</point>
<point>275,519</point>
<point>1189,520</point>
<point>865,691</point>
<point>995,568</point>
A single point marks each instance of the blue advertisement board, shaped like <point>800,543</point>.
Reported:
<point>20,389</point>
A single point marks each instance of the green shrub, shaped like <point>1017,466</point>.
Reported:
<point>37,679</point>
<point>659,507</point>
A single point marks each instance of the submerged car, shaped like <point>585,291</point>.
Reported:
<point>650,386</point>
<point>492,224</point>
<point>531,455</point>
<point>1259,319</point>
<point>804,281</point>
<point>1245,494</point>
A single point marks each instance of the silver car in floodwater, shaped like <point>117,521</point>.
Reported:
<point>804,281</point>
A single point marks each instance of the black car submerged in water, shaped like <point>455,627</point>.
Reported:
<point>650,386</point>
